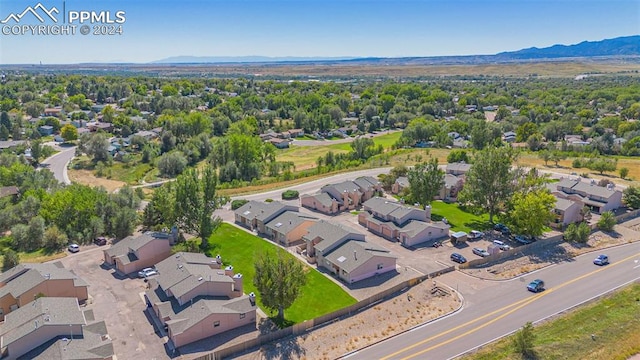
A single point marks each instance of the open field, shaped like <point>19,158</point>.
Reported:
<point>459,219</point>
<point>238,248</point>
<point>38,256</point>
<point>614,320</point>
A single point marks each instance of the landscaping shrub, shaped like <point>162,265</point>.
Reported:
<point>235,204</point>
<point>290,195</point>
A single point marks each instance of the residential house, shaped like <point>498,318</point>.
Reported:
<point>7,191</point>
<point>347,193</point>
<point>256,214</point>
<point>599,199</point>
<point>8,144</point>
<point>321,202</point>
<point>23,283</point>
<point>135,253</point>
<point>566,212</point>
<point>452,186</point>
<point>45,130</point>
<point>397,222</point>
<point>280,143</point>
<point>55,328</point>
<point>509,136</point>
<point>401,183</point>
<point>457,169</point>
<point>296,133</point>
<point>54,112</point>
<point>289,227</point>
<point>369,187</point>
<point>345,253</point>
<point>195,298</point>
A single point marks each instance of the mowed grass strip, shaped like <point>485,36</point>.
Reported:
<point>614,320</point>
<point>459,219</point>
<point>238,248</point>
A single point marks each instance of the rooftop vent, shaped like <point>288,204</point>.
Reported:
<point>200,278</point>
<point>179,266</point>
<point>229,267</point>
<point>278,224</point>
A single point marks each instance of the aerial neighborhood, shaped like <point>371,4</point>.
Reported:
<point>157,213</point>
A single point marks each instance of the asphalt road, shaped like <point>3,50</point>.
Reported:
<point>494,309</point>
<point>57,164</point>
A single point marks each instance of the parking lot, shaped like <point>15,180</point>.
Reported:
<point>117,300</point>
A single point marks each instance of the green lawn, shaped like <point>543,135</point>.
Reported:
<point>319,296</point>
<point>387,140</point>
<point>615,322</point>
<point>459,219</point>
<point>131,173</point>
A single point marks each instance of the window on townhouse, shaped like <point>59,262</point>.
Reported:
<point>216,323</point>
<point>380,266</point>
<point>242,315</point>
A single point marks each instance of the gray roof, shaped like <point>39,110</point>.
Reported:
<point>387,207</point>
<point>131,243</point>
<point>353,254</point>
<point>586,188</point>
<point>325,199</point>
<point>203,308</point>
<point>183,272</point>
<point>330,234</point>
<point>461,167</point>
<point>564,204</point>
<point>411,227</point>
<point>342,187</point>
<point>94,344</point>
<point>44,311</point>
<point>450,180</point>
<point>287,221</point>
<point>24,277</point>
<point>403,181</point>
<point>366,182</point>
<point>261,210</point>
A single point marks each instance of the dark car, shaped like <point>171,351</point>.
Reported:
<point>522,239</point>
<point>536,285</point>
<point>458,258</point>
<point>502,228</point>
<point>100,241</point>
<point>601,260</point>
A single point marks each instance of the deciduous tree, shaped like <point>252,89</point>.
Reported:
<point>607,221</point>
<point>278,278</point>
<point>426,180</point>
<point>530,212</point>
<point>631,197</point>
<point>69,133</point>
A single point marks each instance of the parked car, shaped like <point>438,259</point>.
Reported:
<point>480,252</point>
<point>458,258</point>
<point>522,239</point>
<point>100,241</point>
<point>475,234</point>
<point>502,228</point>
<point>147,272</point>
<point>501,245</point>
<point>536,285</point>
<point>74,248</point>
<point>601,260</point>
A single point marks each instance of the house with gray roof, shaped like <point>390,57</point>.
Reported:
<point>451,187</point>
<point>255,215</point>
<point>289,227</point>
<point>369,186</point>
<point>598,198</point>
<point>358,260</point>
<point>135,253</point>
<point>401,183</point>
<point>566,211</point>
<point>322,237</point>
<point>21,284</point>
<point>347,194</point>
<point>196,298</point>
<point>321,202</point>
<point>460,168</point>
<point>397,222</point>
<point>54,328</point>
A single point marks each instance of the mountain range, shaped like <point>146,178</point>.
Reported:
<point>616,47</point>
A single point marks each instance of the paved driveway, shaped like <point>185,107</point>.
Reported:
<point>118,302</point>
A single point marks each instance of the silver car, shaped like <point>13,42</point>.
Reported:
<point>480,252</point>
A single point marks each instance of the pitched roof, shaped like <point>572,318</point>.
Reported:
<point>330,234</point>
<point>44,311</point>
<point>131,243</point>
<point>342,187</point>
<point>387,207</point>
<point>353,254</point>
<point>24,277</point>
<point>461,167</point>
<point>8,191</point>
<point>403,181</point>
<point>183,272</point>
<point>564,204</point>
<point>589,189</point>
<point>201,309</point>
<point>260,210</point>
<point>287,221</point>
<point>366,182</point>
<point>325,199</point>
<point>450,180</point>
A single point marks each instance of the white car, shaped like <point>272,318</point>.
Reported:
<point>475,234</point>
<point>74,248</point>
<point>480,252</point>
<point>147,272</point>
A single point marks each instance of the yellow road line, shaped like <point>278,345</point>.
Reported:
<point>518,305</point>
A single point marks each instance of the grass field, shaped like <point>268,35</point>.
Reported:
<point>459,219</point>
<point>38,256</point>
<point>238,248</point>
<point>614,320</point>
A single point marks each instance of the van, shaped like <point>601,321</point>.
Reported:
<point>501,245</point>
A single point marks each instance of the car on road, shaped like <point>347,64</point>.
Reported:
<point>100,241</point>
<point>458,258</point>
<point>480,252</point>
<point>522,239</point>
<point>601,260</point>
<point>502,228</point>
<point>475,234</point>
<point>536,285</point>
<point>74,248</point>
<point>147,272</point>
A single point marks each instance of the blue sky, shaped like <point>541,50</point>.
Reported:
<point>158,29</point>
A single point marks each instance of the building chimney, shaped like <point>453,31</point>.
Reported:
<point>252,298</point>
<point>237,283</point>
<point>228,270</point>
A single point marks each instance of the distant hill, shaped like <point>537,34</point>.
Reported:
<point>621,46</point>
